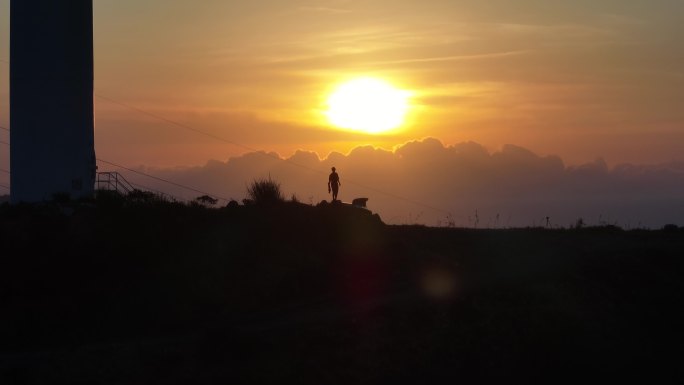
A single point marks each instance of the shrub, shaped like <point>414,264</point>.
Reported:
<point>143,197</point>
<point>265,191</point>
<point>206,200</point>
<point>670,227</point>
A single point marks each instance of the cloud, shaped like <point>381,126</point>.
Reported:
<point>428,182</point>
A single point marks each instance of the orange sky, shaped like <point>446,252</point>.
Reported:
<point>577,79</point>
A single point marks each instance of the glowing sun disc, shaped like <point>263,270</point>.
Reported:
<point>367,104</point>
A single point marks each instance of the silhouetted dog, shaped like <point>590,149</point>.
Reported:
<point>360,202</point>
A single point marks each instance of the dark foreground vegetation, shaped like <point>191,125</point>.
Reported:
<point>138,291</point>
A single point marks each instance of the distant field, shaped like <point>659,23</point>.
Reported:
<point>128,292</point>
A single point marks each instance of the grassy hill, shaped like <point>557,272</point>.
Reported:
<point>128,291</point>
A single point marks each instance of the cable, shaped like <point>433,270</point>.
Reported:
<point>155,191</point>
<point>163,180</point>
<point>216,137</point>
<point>141,173</point>
<point>3,186</point>
<point>185,126</point>
<point>181,125</point>
<point>219,138</point>
<point>4,128</point>
<point>149,176</point>
<point>5,171</point>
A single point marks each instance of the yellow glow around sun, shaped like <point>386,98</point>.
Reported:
<point>367,104</point>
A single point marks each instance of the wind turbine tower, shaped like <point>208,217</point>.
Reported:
<point>51,99</point>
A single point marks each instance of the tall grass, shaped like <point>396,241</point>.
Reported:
<point>265,191</point>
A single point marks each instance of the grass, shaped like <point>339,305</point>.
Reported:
<point>146,291</point>
<point>265,192</point>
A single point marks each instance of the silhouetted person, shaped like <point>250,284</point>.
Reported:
<point>334,184</point>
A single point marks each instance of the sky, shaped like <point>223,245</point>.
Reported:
<point>584,81</point>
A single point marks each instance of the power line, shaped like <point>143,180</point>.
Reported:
<point>185,126</point>
<point>163,180</point>
<point>4,128</point>
<point>207,134</point>
<point>3,186</point>
<point>149,176</point>
<point>243,146</point>
<point>133,184</point>
<point>175,123</point>
<point>213,136</point>
<point>154,191</point>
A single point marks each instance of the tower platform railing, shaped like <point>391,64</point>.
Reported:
<point>113,181</point>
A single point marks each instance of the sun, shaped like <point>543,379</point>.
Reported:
<point>368,105</point>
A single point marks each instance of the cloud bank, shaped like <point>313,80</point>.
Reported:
<point>464,184</point>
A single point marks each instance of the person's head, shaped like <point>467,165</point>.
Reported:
<point>333,168</point>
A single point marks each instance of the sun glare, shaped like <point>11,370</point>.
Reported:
<point>367,104</point>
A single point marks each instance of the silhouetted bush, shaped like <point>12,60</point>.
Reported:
<point>206,200</point>
<point>670,227</point>
<point>265,191</point>
<point>139,196</point>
